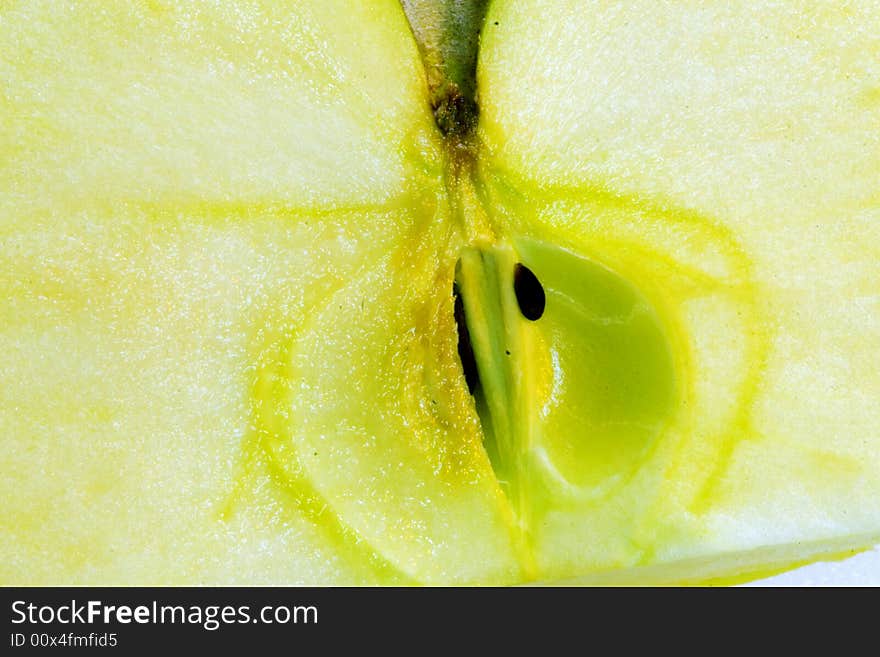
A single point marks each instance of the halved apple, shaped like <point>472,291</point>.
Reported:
<point>233,238</point>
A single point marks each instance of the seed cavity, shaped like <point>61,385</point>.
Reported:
<point>465,349</point>
<point>529,292</point>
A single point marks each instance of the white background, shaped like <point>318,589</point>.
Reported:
<point>860,570</point>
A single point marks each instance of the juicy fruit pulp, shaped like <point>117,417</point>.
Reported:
<point>230,235</point>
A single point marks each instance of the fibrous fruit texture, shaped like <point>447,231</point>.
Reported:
<point>288,294</point>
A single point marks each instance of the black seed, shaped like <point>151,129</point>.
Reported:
<point>529,292</point>
<point>465,350</point>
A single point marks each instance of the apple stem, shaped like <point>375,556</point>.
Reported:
<point>448,36</point>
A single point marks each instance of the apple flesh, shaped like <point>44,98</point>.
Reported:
<point>229,350</point>
<point>725,162</point>
<point>229,239</point>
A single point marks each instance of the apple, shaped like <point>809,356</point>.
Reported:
<point>359,293</point>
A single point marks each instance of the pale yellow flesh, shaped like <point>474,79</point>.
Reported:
<point>225,303</point>
<point>226,258</point>
<point>726,158</point>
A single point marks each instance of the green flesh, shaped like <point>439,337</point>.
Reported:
<point>572,403</point>
<point>229,236</point>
